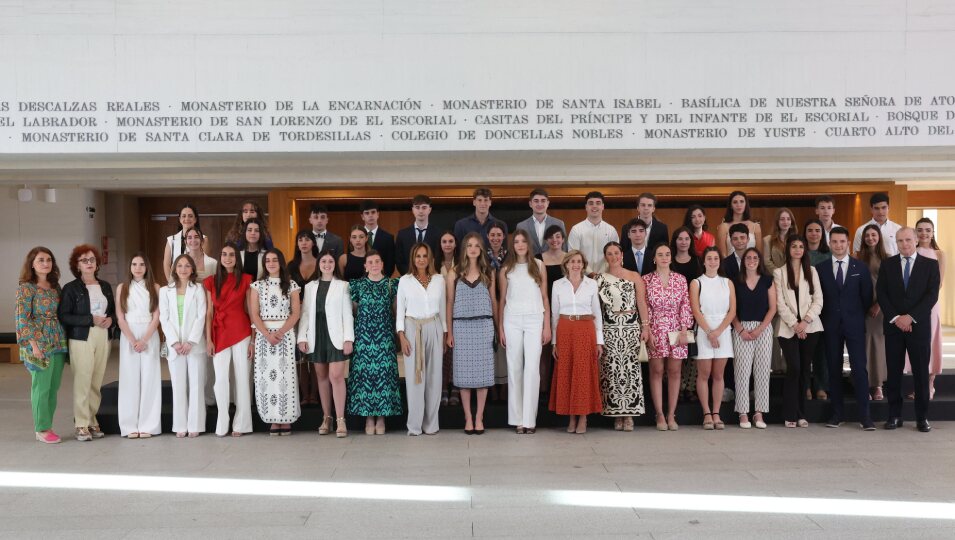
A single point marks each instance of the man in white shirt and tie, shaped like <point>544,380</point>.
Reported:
<point>879,206</point>
<point>421,231</point>
<point>591,235</point>
<point>324,239</point>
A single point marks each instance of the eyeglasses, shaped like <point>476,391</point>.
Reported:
<point>88,260</point>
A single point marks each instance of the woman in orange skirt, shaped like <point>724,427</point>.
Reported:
<point>578,344</point>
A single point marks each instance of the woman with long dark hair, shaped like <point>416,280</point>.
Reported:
<point>274,308</point>
<point>41,337</point>
<point>227,339</point>
<point>799,303</point>
<point>753,337</point>
<point>176,243</point>
<point>250,210</point>
<point>303,269</point>
<point>326,334</point>
<point>695,221</point>
<point>737,211</point>
<point>873,254</point>
<point>140,373</point>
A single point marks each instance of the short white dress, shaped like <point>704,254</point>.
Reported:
<point>715,304</point>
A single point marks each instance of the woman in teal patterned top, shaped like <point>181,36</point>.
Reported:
<point>373,373</point>
<point>40,336</point>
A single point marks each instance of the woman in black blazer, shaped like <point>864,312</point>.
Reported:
<point>88,314</point>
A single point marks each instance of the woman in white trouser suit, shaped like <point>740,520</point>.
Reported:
<point>140,375</point>
<point>182,314</point>
<point>525,327</point>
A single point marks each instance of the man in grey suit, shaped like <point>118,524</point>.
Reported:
<point>540,221</point>
<point>324,239</point>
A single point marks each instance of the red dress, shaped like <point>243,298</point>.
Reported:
<point>230,322</point>
<point>704,241</point>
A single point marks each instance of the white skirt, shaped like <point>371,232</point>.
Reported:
<point>704,351</point>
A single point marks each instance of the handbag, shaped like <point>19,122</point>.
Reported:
<point>675,335</point>
<point>642,355</point>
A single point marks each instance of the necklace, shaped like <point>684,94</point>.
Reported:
<point>424,282</point>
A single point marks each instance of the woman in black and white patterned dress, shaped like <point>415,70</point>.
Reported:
<point>275,307</point>
<point>623,305</point>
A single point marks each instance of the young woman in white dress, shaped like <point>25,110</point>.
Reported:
<point>274,307</point>
<point>713,301</point>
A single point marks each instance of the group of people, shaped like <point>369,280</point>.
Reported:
<point>570,315</point>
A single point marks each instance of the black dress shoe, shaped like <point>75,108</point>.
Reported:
<point>868,425</point>
<point>469,432</point>
<point>893,423</point>
<point>834,422</point>
<point>923,426</point>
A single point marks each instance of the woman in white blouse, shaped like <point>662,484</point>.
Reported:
<point>578,344</point>
<point>799,303</point>
<point>524,328</point>
<point>421,326</point>
<point>182,315</point>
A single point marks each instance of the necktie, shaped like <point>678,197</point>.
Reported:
<point>840,277</point>
<point>420,234</point>
<point>639,262</point>
<point>906,272</point>
<point>371,238</point>
<point>320,235</point>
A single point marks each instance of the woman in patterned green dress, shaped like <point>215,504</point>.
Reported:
<point>40,337</point>
<point>373,373</point>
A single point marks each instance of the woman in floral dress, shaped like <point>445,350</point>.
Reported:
<point>668,304</point>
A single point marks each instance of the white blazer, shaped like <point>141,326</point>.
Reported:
<point>193,324</point>
<point>809,306</point>
<point>338,314</point>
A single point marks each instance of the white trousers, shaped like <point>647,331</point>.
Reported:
<point>522,333</point>
<point>238,356</point>
<point>188,377</point>
<point>140,385</point>
<point>424,398</point>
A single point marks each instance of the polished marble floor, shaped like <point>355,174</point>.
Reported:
<point>784,483</point>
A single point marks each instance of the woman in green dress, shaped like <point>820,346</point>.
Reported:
<point>41,338</point>
<point>373,373</point>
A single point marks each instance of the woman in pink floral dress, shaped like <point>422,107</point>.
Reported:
<point>669,310</point>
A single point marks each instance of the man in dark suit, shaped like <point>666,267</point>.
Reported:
<point>539,222</point>
<point>481,220</point>
<point>324,239</point>
<point>847,289</point>
<point>739,238</point>
<point>419,231</point>
<point>656,230</point>
<point>906,290</point>
<point>378,239</point>
<point>638,257</point>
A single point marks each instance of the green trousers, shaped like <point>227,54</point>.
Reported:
<point>43,392</point>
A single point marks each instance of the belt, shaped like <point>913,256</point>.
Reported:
<point>273,325</point>
<point>577,317</point>
<point>419,348</point>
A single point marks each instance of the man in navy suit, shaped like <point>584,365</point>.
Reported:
<point>739,238</point>
<point>907,289</point>
<point>847,293</point>
<point>378,239</point>
<point>637,258</point>
<point>419,231</point>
